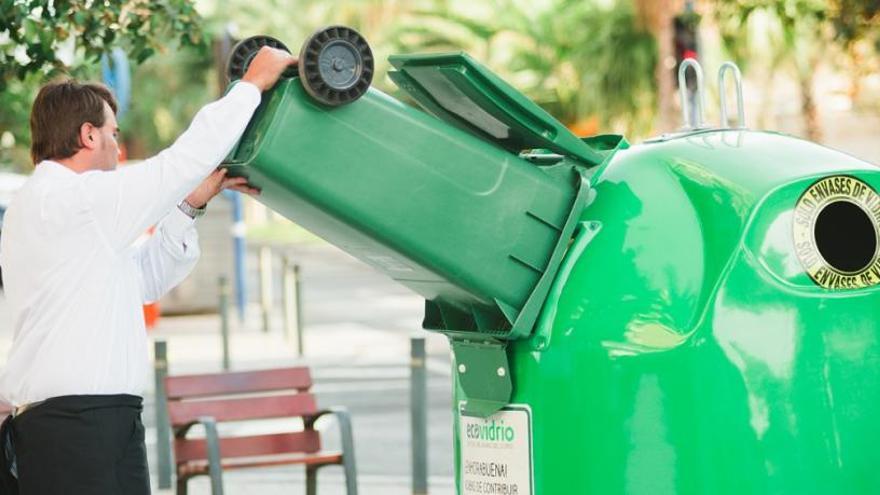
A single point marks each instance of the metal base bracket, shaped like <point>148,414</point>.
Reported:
<point>484,375</point>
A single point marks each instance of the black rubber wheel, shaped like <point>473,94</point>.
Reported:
<point>336,65</point>
<point>245,50</point>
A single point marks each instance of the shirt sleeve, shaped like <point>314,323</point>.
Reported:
<point>169,255</point>
<point>127,201</point>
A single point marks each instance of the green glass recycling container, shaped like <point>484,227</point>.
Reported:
<point>455,218</point>
<point>714,329</point>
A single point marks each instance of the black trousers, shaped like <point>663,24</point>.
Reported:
<point>83,445</point>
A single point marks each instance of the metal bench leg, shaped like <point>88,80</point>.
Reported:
<point>182,486</point>
<point>348,464</point>
<point>311,480</point>
<point>215,467</point>
<point>351,487</point>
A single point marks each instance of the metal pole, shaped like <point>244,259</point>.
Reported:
<point>419,415</point>
<point>292,305</point>
<point>297,305</point>
<point>266,285</point>
<point>163,428</point>
<point>287,298</point>
<point>240,252</point>
<point>224,319</point>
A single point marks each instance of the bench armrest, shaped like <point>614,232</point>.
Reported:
<point>212,441</point>
<point>180,431</point>
<point>343,418</point>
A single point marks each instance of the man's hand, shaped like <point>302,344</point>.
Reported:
<point>267,66</point>
<point>215,183</point>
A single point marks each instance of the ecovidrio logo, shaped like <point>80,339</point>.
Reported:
<point>491,432</point>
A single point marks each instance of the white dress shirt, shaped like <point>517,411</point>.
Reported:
<point>75,280</point>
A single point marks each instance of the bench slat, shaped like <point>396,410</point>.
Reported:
<point>184,386</point>
<point>279,406</point>
<point>306,442</point>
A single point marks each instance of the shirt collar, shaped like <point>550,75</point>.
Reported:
<point>49,166</point>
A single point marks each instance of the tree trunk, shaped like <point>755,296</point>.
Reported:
<point>809,111</point>
<point>657,17</point>
<point>857,63</point>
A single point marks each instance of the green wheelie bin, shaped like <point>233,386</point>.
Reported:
<point>448,205</point>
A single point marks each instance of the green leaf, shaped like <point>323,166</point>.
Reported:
<point>144,54</point>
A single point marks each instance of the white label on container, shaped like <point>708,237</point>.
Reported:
<point>496,453</point>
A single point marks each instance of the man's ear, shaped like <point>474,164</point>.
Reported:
<point>88,136</point>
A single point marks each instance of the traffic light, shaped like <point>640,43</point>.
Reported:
<point>686,43</point>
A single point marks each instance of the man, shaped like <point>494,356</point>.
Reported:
<point>76,284</point>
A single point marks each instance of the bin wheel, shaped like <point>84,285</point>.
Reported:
<point>245,50</point>
<point>336,65</point>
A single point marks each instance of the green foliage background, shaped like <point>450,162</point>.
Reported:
<point>41,40</point>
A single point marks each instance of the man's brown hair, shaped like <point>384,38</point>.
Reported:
<point>59,111</point>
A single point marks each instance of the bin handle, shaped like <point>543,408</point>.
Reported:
<point>740,108</point>
<point>682,91</point>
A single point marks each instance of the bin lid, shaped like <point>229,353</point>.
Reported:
<point>459,90</point>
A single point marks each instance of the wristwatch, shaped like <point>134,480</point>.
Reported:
<point>190,210</point>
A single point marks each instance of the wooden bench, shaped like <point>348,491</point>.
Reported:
<point>278,393</point>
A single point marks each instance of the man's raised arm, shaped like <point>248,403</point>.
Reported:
<point>127,201</point>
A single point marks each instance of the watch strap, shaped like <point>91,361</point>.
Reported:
<point>190,210</point>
